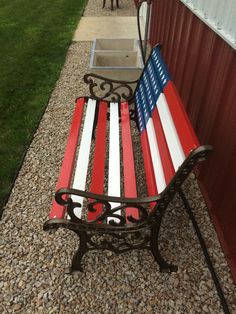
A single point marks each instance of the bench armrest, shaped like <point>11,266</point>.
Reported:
<point>111,219</point>
<point>116,219</point>
<point>102,88</point>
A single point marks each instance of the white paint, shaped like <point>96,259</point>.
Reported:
<point>114,157</point>
<point>156,159</point>
<point>83,156</point>
<point>172,138</point>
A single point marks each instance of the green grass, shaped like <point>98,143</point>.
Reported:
<point>34,38</point>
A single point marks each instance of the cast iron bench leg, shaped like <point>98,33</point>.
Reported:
<point>77,258</point>
<point>164,266</point>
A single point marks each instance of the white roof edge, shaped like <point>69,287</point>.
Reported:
<point>221,32</point>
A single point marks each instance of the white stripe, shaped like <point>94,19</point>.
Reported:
<point>83,156</point>
<point>114,156</point>
<point>173,142</point>
<point>156,159</point>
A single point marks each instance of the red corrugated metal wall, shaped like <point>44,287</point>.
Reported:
<point>203,67</point>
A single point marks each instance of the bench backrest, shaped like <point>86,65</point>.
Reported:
<point>167,136</point>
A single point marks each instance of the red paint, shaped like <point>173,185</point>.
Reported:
<point>150,176</point>
<point>177,49</point>
<point>163,147</point>
<point>128,159</point>
<point>57,210</point>
<point>203,67</point>
<point>183,126</point>
<point>172,34</point>
<point>216,91</point>
<point>201,74</point>
<point>179,67</point>
<point>98,168</point>
<point>191,60</point>
<point>169,19</point>
<point>164,18</point>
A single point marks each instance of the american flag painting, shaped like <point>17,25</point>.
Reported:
<point>162,131</point>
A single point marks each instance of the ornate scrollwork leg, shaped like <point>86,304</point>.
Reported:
<point>165,267</point>
<point>77,258</point>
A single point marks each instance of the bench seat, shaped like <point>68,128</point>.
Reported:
<point>93,155</point>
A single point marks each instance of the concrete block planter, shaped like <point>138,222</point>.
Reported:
<point>116,58</point>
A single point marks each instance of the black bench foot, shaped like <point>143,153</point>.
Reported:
<point>76,262</point>
<point>164,266</point>
<point>77,258</point>
<point>168,269</point>
<point>70,270</point>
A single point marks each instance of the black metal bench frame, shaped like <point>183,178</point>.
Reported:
<point>142,235</point>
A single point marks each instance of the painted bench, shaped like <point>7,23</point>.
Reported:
<point>97,194</point>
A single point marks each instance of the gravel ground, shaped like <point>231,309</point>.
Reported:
<point>32,264</point>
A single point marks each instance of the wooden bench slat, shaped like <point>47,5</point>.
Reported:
<point>182,124</point>
<point>153,169</point>
<point>114,155</point>
<point>64,180</point>
<point>166,160</point>
<point>153,81</point>
<point>98,167</point>
<point>128,159</point>
<point>80,176</point>
<point>148,166</point>
<point>159,67</point>
<point>153,90</point>
<point>155,155</point>
<point>152,161</point>
<point>172,138</point>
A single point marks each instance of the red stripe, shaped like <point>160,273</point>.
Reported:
<point>128,159</point>
<point>183,126</point>
<point>166,160</point>
<point>97,181</point>
<point>150,176</point>
<point>64,180</point>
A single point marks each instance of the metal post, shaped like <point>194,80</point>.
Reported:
<point>210,266</point>
<point>147,28</point>
<point>143,44</point>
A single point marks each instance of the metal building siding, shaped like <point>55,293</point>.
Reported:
<point>203,67</point>
<point>218,15</point>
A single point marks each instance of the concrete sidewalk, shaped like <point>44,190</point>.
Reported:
<point>91,28</point>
